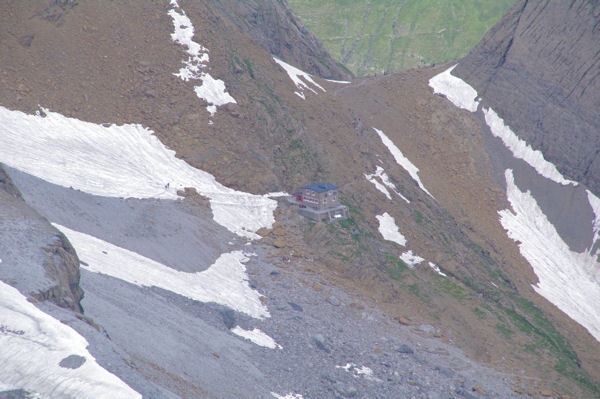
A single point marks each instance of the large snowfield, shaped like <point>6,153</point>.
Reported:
<point>32,347</point>
<point>120,161</point>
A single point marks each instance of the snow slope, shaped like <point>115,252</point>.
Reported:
<point>32,346</point>
<point>568,279</point>
<point>212,90</point>
<point>120,161</point>
<point>412,170</point>
<point>225,282</point>
<point>459,92</point>
<point>299,78</point>
<point>520,149</point>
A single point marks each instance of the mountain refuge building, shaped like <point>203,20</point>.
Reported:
<point>320,201</point>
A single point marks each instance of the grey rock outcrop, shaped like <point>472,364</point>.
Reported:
<point>539,69</point>
<point>275,26</point>
<point>37,258</point>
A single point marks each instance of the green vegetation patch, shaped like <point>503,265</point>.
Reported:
<point>390,35</point>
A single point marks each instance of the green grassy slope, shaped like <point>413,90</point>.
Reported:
<point>375,36</point>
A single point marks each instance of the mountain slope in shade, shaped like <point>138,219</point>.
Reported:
<point>280,31</point>
<point>539,68</point>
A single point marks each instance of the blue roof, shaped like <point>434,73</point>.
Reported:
<point>320,187</point>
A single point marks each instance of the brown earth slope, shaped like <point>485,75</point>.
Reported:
<point>114,62</point>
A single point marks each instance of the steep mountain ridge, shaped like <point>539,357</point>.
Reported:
<point>279,30</point>
<point>277,136</point>
<point>538,68</point>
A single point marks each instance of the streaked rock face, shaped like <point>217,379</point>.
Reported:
<point>539,68</point>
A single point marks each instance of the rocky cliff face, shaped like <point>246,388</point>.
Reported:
<point>36,258</point>
<point>278,29</point>
<point>539,68</point>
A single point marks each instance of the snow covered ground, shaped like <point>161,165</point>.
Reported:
<point>120,161</point>
<point>412,170</point>
<point>256,336</point>
<point>225,282</point>
<point>212,90</point>
<point>42,355</point>
<point>459,92</point>
<point>568,279</point>
<point>381,175</point>
<point>300,78</point>
<point>389,230</point>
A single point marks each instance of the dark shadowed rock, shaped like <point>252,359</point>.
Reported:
<point>15,394</point>
<point>539,69</point>
<point>228,318</point>
<point>72,362</point>
<point>295,306</point>
<point>405,349</point>
<point>319,342</point>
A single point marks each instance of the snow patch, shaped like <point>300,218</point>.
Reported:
<point>362,371</point>
<point>378,186</point>
<point>256,336</point>
<point>568,279</point>
<point>389,230</point>
<point>520,149</point>
<point>212,90</point>
<point>459,92</point>
<point>344,82</point>
<point>32,344</point>
<point>120,161</point>
<point>380,173</point>
<point>412,170</point>
<point>410,259</point>
<point>299,77</point>
<point>225,282</point>
<point>437,269</point>
<point>288,396</point>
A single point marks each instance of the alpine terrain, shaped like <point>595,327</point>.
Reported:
<point>152,237</point>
